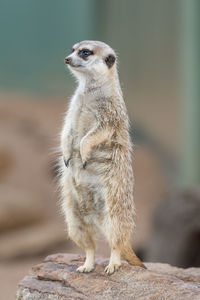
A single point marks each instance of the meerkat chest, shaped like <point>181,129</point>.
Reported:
<point>83,118</point>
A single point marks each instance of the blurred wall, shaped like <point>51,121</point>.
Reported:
<point>35,36</point>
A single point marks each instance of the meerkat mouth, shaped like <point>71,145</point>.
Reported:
<point>75,66</point>
<point>71,65</point>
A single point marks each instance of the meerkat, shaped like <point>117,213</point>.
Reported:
<point>96,170</point>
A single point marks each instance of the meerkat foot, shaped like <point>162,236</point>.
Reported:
<point>85,268</point>
<point>89,262</point>
<point>114,263</point>
<point>111,268</point>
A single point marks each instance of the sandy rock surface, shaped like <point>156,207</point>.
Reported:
<point>56,278</point>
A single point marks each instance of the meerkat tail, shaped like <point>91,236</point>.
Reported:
<point>129,255</point>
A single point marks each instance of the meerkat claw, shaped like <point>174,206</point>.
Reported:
<point>111,268</point>
<point>84,165</point>
<point>66,161</point>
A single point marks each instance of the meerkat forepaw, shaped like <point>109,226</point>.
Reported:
<point>85,268</point>
<point>111,268</point>
<point>66,161</point>
<point>84,151</point>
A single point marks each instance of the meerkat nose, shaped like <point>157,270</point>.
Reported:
<point>68,60</point>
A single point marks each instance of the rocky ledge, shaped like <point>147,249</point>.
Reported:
<point>56,279</point>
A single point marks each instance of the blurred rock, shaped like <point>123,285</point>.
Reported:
<point>6,162</point>
<point>18,208</point>
<point>149,187</point>
<point>31,240</point>
<point>28,135</point>
<point>56,278</point>
<point>175,236</point>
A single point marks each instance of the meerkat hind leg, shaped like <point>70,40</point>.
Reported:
<point>88,266</point>
<point>86,242</point>
<point>84,239</point>
<point>114,262</point>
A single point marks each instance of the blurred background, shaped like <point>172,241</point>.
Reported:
<point>158,44</point>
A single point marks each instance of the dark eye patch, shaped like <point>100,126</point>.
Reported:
<point>109,60</point>
<point>72,50</point>
<point>84,53</point>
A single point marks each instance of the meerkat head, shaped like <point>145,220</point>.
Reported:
<point>91,58</point>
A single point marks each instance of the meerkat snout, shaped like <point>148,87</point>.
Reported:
<point>67,60</point>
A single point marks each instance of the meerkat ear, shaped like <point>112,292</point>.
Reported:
<point>109,60</point>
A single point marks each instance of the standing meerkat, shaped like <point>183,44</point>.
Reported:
<point>96,172</point>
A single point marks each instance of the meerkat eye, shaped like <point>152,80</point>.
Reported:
<point>72,50</point>
<point>85,53</point>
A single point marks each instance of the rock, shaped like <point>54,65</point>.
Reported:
<point>175,236</point>
<point>56,278</point>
